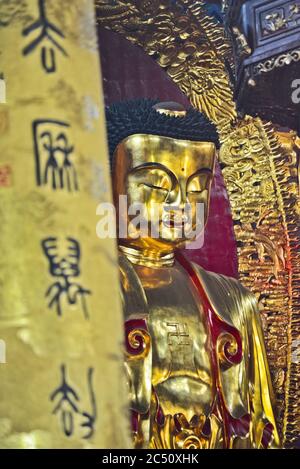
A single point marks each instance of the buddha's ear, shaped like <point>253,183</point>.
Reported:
<point>216,158</point>
<point>217,155</point>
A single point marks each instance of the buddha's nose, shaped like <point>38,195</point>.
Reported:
<point>177,197</point>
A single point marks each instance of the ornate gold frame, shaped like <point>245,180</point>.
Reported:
<point>260,170</point>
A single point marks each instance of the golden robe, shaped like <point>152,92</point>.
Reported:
<point>222,400</point>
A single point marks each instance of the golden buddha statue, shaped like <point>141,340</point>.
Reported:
<point>195,358</point>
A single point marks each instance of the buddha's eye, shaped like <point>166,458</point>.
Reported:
<point>154,179</point>
<point>199,183</point>
<point>194,192</point>
<point>153,186</point>
<point>195,187</point>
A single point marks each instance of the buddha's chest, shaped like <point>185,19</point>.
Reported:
<point>181,358</point>
<point>180,343</point>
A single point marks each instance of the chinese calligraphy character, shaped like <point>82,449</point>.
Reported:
<point>65,267</point>
<point>53,154</point>
<point>48,33</point>
<point>68,403</point>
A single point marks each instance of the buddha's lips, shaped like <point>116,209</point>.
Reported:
<point>173,224</point>
<point>176,223</point>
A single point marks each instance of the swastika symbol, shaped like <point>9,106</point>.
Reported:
<point>179,332</point>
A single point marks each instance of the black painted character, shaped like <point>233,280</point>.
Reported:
<point>65,268</point>
<point>68,405</point>
<point>53,153</point>
<point>48,34</point>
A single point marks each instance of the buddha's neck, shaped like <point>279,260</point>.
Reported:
<point>148,258</point>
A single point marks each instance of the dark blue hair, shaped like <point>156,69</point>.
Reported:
<point>139,117</point>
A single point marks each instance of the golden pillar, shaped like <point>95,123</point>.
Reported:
<point>60,318</point>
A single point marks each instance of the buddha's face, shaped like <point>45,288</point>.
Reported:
<point>167,178</point>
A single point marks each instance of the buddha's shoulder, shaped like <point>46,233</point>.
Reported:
<point>227,294</point>
<point>219,280</point>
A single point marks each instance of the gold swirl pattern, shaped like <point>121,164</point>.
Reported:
<point>138,344</point>
<point>186,441</point>
<point>227,347</point>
